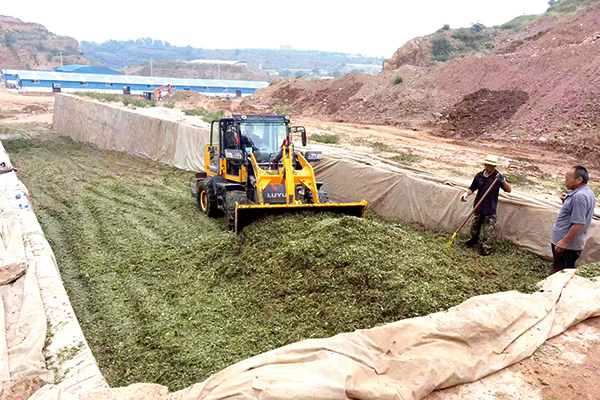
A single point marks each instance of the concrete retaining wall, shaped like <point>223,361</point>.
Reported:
<point>113,128</point>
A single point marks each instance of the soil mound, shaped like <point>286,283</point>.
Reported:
<point>554,64</point>
<point>480,111</point>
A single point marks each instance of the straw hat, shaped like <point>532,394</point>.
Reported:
<point>491,160</point>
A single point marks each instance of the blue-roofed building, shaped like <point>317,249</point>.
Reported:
<point>69,82</point>
<point>9,77</point>
<point>88,69</point>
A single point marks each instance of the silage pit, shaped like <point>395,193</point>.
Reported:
<point>166,295</point>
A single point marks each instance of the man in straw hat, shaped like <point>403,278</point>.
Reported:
<point>485,216</point>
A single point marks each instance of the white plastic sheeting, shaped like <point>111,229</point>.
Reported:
<point>37,324</point>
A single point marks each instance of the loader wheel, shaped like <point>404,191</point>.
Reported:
<point>232,197</point>
<point>323,197</point>
<point>207,201</point>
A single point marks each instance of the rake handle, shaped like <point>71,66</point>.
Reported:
<point>478,204</point>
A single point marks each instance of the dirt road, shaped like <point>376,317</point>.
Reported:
<point>16,108</point>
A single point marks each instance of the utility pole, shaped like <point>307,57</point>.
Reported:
<point>61,61</point>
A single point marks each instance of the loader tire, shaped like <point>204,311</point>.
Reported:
<point>207,201</point>
<point>323,197</point>
<point>232,197</point>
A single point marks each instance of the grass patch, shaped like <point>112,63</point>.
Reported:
<point>406,158</point>
<point>441,49</point>
<point>398,80</point>
<point>475,38</point>
<point>113,97</point>
<point>519,22</point>
<point>382,147</point>
<point>167,295</point>
<point>206,115</point>
<point>325,138</point>
<point>589,271</point>
<point>401,157</point>
<point>519,179</point>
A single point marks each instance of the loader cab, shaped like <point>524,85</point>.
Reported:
<point>233,139</point>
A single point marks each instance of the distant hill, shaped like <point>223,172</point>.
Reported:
<point>478,40</point>
<point>123,54</point>
<point>31,46</point>
<point>182,69</point>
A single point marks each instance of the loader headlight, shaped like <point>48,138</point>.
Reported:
<point>313,156</point>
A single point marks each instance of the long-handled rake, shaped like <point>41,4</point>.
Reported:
<point>449,244</point>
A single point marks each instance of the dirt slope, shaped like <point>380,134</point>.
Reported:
<point>26,45</point>
<point>555,63</point>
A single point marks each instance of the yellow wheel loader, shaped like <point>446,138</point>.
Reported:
<point>252,170</point>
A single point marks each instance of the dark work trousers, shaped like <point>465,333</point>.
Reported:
<point>564,259</point>
<point>486,225</point>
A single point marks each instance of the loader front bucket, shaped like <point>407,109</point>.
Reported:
<point>246,213</point>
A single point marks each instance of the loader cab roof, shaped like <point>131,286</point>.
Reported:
<point>261,118</point>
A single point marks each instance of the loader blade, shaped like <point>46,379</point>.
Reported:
<point>245,214</point>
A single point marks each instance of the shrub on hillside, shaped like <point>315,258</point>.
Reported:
<point>475,37</point>
<point>442,49</point>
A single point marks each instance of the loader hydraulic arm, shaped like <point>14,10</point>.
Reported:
<point>286,175</point>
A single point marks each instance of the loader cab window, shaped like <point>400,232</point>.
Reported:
<point>230,140</point>
<point>214,143</point>
<point>265,138</point>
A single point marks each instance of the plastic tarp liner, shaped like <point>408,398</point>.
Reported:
<point>22,316</point>
<point>32,298</point>
<point>113,128</point>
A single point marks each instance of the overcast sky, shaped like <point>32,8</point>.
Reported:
<point>370,27</point>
